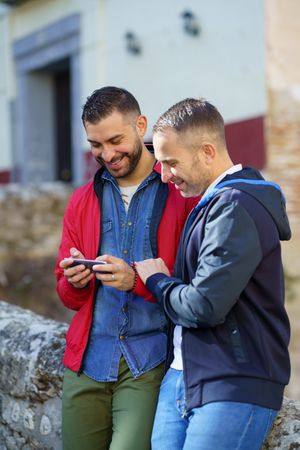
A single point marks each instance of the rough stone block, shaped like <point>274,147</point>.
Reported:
<point>31,371</point>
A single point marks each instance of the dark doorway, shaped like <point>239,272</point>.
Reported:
<point>62,108</point>
<point>57,76</point>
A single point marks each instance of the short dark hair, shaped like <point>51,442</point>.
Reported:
<point>104,101</point>
<point>190,114</point>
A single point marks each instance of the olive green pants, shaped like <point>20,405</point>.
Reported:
<point>112,415</point>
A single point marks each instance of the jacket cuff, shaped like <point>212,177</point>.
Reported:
<point>152,284</point>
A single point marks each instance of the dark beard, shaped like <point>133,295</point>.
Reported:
<point>134,159</point>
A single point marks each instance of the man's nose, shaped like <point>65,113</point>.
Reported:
<point>166,174</point>
<point>107,154</point>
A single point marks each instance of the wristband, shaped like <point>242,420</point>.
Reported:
<point>132,265</point>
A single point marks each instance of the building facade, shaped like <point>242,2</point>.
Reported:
<point>54,53</point>
<point>240,55</point>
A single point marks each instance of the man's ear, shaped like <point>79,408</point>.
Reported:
<point>141,125</point>
<point>209,152</point>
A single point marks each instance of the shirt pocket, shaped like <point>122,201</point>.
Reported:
<point>107,238</point>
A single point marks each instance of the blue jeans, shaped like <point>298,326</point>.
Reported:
<point>219,425</point>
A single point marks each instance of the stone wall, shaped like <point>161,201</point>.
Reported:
<point>30,230</point>
<point>31,350</point>
<point>30,221</point>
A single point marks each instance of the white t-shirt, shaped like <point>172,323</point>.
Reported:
<point>127,193</point>
<point>177,338</point>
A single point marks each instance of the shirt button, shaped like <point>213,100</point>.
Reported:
<point>122,337</point>
<point>125,251</point>
<point>129,224</point>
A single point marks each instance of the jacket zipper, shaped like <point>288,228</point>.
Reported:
<point>184,413</point>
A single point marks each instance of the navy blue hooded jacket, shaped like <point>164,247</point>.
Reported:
<point>228,294</point>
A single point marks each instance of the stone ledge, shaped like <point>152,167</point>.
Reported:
<point>31,372</point>
<point>285,434</point>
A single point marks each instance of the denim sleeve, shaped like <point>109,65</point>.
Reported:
<point>229,254</point>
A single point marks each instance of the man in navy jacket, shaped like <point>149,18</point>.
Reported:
<point>229,332</point>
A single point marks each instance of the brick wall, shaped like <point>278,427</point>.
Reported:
<point>283,146</point>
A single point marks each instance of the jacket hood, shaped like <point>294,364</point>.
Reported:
<point>269,194</point>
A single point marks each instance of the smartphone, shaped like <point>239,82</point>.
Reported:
<point>86,262</point>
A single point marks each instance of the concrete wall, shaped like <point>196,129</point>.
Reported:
<point>31,349</point>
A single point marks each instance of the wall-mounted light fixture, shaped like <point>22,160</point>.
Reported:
<point>132,43</point>
<point>190,23</point>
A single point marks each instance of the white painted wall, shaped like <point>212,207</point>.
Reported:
<point>225,64</point>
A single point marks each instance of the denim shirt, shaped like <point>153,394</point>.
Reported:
<point>124,323</point>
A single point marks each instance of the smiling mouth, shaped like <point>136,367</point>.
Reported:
<point>114,164</point>
<point>179,184</point>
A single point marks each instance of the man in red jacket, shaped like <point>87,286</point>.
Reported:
<point>116,343</point>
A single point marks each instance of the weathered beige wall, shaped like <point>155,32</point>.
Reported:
<point>283,112</point>
<point>283,144</point>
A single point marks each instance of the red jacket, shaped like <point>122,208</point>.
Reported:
<point>81,229</point>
